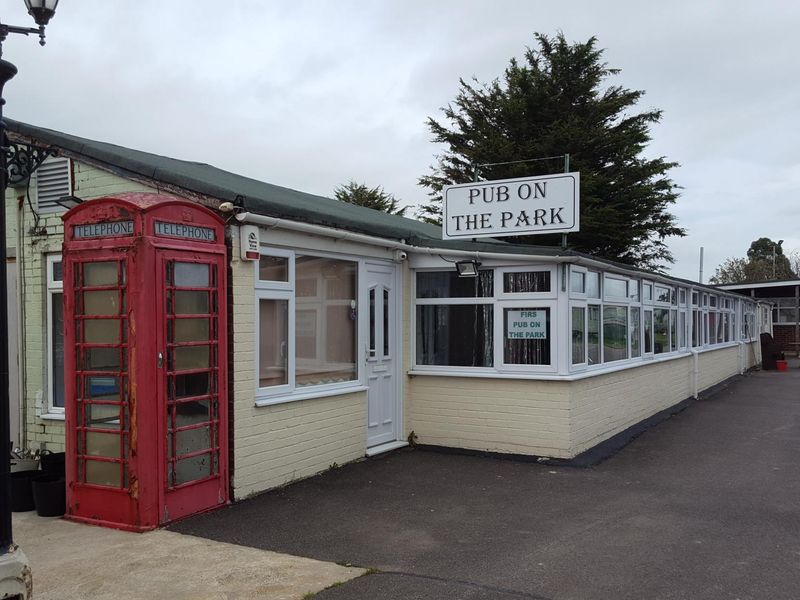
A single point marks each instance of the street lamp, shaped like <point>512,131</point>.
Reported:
<point>13,568</point>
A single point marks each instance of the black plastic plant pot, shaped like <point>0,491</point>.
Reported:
<point>53,463</point>
<point>49,495</point>
<point>21,491</point>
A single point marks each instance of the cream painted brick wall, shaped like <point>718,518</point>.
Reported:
<point>494,415</point>
<point>607,404</point>
<point>274,445</point>
<point>88,183</point>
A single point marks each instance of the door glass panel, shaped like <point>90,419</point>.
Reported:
<point>190,303</point>
<point>191,440</point>
<point>191,413</point>
<point>191,275</point>
<point>101,302</point>
<point>192,468</point>
<point>190,330</point>
<point>386,322</point>
<point>102,444</point>
<point>101,331</point>
<point>372,333</point>
<point>102,473</point>
<point>99,273</point>
<point>194,384</point>
<point>190,357</point>
<point>102,388</point>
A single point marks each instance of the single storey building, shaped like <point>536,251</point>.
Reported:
<point>351,333</point>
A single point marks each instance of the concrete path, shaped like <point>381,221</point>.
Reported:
<point>75,561</point>
<point>704,506</point>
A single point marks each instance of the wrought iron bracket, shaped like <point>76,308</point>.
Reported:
<point>22,160</point>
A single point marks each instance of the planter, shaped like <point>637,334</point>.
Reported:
<point>49,495</point>
<point>782,365</point>
<point>53,463</point>
<point>21,491</point>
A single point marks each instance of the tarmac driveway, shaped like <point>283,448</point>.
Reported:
<point>704,505</point>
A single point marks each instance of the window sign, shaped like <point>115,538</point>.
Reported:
<point>526,324</point>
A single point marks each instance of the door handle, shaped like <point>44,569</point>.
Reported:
<point>160,360</point>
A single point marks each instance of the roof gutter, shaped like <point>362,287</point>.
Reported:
<point>343,234</point>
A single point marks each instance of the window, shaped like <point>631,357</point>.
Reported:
<point>578,335</point>
<point>55,335</point>
<point>592,284</point>
<point>615,288</point>
<point>636,333</point>
<point>682,296</point>
<point>663,294</point>
<point>615,333</point>
<point>526,282</point>
<point>593,334</point>
<point>526,336</point>
<point>648,332</point>
<point>648,292</point>
<point>307,321</point>
<point>578,282</point>
<point>53,182</point>
<point>454,326</point>
<point>661,330</point>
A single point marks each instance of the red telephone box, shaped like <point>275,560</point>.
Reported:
<point>145,354</point>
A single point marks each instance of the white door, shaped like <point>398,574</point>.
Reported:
<point>382,354</point>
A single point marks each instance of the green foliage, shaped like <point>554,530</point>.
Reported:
<point>761,264</point>
<point>557,101</point>
<point>375,198</point>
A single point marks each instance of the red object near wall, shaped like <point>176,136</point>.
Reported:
<point>145,353</point>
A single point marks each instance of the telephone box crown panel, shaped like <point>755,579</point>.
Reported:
<point>145,360</point>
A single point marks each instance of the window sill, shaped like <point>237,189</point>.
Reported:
<point>271,400</point>
<point>52,416</point>
<point>577,375</point>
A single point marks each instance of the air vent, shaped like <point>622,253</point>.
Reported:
<point>53,181</point>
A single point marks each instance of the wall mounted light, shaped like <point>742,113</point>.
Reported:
<point>467,268</point>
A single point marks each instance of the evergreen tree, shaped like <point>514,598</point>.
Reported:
<point>557,101</point>
<point>375,198</point>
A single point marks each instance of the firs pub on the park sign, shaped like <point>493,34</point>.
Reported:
<point>522,206</point>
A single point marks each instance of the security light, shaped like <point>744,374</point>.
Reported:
<point>467,268</point>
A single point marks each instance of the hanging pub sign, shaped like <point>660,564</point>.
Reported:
<point>522,206</point>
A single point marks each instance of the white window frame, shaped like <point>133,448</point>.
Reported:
<point>522,302</point>
<point>584,364</point>
<point>52,287</point>
<point>499,281</point>
<point>286,290</point>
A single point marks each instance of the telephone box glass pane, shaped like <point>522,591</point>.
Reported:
<point>101,302</point>
<point>102,388</point>
<point>102,444</point>
<point>102,416</point>
<point>192,440</point>
<point>191,413</point>
<point>191,275</point>
<point>190,303</point>
<point>100,273</point>
<point>101,331</point>
<point>192,468</point>
<point>102,359</point>
<point>190,330</point>
<point>191,357</point>
<point>194,384</point>
<point>102,473</point>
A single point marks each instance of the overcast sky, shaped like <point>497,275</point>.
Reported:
<point>311,94</point>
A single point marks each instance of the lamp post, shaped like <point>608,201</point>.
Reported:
<point>41,11</point>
